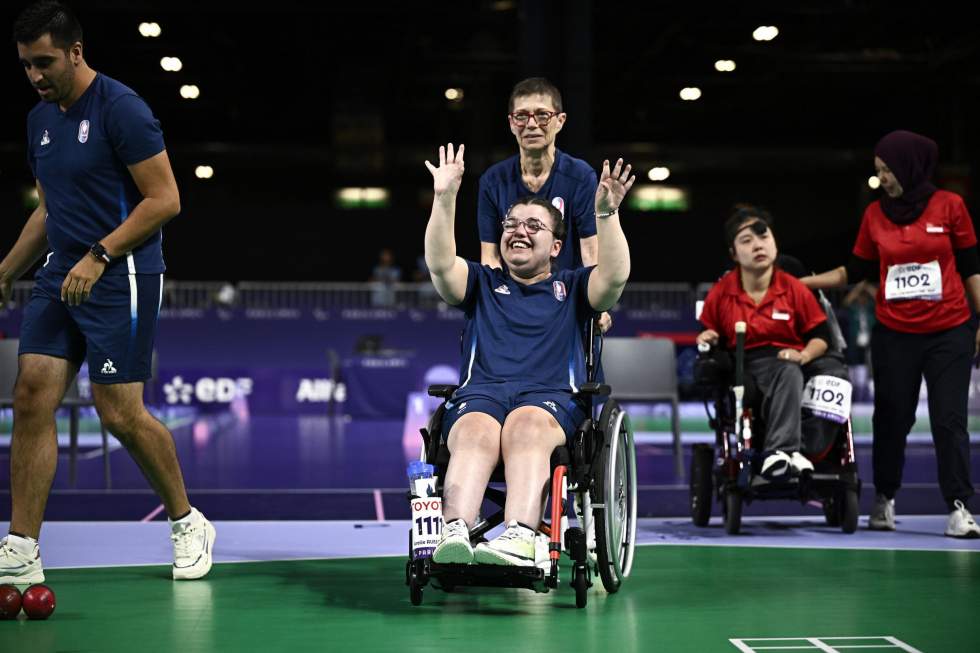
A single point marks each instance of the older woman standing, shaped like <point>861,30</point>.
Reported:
<point>919,242</point>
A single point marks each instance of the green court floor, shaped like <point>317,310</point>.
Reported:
<point>679,598</point>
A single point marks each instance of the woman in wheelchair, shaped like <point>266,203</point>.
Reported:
<point>523,355</point>
<point>786,337</point>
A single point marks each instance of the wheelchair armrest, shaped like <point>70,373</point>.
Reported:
<point>593,388</point>
<point>444,391</point>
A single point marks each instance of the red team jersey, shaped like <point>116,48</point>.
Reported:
<point>920,289</point>
<point>787,311</point>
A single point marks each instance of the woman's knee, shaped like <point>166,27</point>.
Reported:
<point>474,433</point>
<point>531,428</point>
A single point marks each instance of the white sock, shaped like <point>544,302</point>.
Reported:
<point>24,545</point>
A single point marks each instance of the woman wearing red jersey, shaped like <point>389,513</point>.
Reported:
<point>919,242</point>
<point>786,332</point>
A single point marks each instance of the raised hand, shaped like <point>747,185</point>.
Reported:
<point>613,186</point>
<point>447,177</point>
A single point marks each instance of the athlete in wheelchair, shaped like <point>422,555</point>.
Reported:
<point>782,406</point>
<point>525,400</point>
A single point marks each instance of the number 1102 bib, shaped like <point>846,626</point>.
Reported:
<point>914,281</point>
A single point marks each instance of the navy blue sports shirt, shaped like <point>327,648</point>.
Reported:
<point>527,334</point>
<point>570,188</point>
<point>79,156</point>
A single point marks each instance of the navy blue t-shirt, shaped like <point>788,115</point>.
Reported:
<point>527,334</point>
<point>79,156</point>
<point>570,188</point>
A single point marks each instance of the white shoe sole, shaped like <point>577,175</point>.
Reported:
<point>968,535</point>
<point>203,565</point>
<point>880,526</point>
<point>453,553</point>
<point>484,555</point>
<point>33,578</point>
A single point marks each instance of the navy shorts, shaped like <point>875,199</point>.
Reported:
<point>498,400</point>
<point>113,329</point>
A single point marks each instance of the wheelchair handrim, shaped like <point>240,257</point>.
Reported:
<point>622,551</point>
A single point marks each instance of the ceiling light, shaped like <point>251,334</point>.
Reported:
<point>150,30</point>
<point>765,33</point>
<point>171,64</point>
<point>690,93</point>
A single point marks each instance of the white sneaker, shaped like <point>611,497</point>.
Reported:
<point>193,540</point>
<point>514,547</point>
<point>961,523</point>
<point>454,546</point>
<point>883,514</point>
<point>776,465</point>
<point>800,463</point>
<point>18,568</point>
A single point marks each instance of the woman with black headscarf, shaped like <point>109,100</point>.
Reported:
<point>918,242</point>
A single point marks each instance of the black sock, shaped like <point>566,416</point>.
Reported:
<point>181,517</point>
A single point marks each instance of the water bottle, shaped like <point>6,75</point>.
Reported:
<point>421,479</point>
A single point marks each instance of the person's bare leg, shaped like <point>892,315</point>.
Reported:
<point>151,445</point>
<point>474,445</point>
<point>41,384</point>
<point>528,438</point>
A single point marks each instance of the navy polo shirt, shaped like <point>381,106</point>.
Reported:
<point>80,157</point>
<point>570,188</point>
<point>530,334</point>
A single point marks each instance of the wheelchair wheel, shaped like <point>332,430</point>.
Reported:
<point>702,459</point>
<point>733,512</point>
<point>849,511</point>
<point>581,585</point>
<point>415,592</point>
<point>831,511</point>
<point>614,497</point>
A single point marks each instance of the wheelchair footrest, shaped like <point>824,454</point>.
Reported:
<point>532,578</point>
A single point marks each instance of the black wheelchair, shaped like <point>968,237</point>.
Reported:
<point>598,467</point>
<point>729,469</point>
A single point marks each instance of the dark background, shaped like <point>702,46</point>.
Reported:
<point>300,98</point>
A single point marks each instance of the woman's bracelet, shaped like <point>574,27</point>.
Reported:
<point>608,214</point>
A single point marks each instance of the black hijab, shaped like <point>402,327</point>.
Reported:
<point>912,158</point>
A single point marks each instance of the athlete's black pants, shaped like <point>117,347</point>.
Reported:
<point>899,361</point>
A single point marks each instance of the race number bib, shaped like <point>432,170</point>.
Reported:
<point>914,281</point>
<point>426,525</point>
<point>828,397</point>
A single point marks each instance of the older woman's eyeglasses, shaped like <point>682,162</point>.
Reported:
<point>542,118</point>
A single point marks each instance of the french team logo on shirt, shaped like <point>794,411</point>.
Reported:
<point>45,139</point>
<point>558,288</point>
<point>83,131</point>
<point>559,204</point>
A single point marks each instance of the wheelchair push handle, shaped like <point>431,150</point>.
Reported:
<point>739,353</point>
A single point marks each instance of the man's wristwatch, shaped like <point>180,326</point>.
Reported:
<point>98,251</point>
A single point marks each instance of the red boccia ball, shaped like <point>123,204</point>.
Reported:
<point>10,601</point>
<point>38,602</point>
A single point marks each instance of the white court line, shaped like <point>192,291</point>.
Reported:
<point>820,644</point>
<point>900,644</point>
